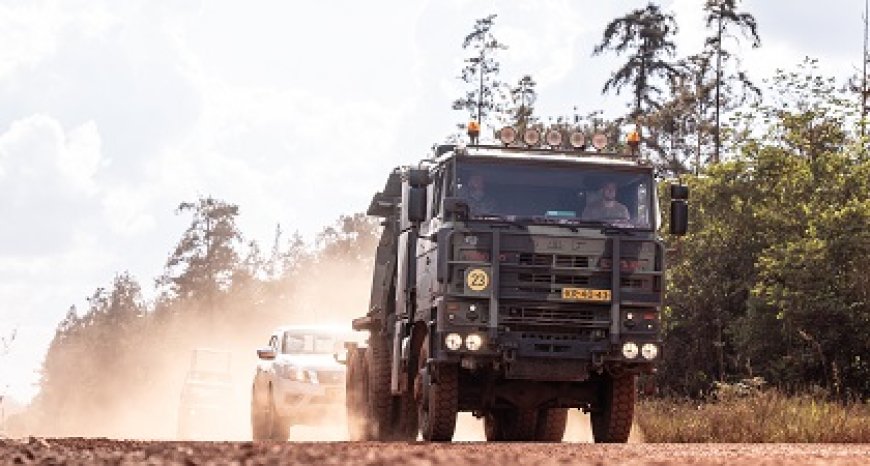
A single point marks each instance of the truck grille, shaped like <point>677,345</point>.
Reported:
<point>552,260</point>
<point>519,316</point>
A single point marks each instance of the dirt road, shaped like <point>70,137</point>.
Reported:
<point>90,451</point>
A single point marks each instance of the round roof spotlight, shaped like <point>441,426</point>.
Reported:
<point>507,135</point>
<point>554,138</point>
<point>577,140</point>
<point>532,137</point>
<point>599,141</point>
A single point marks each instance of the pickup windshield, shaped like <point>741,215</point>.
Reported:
<point>571,194</point>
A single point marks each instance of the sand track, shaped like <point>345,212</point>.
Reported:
<point>90,451</point>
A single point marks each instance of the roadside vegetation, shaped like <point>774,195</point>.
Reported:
<point>754,416</point>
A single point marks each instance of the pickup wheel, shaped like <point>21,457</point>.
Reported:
<point>266,424</point>
<point>611,422</point>
<point>551,425</point>
<point>280,427</point>
<point>380,398</point>
<point>437,401</point>
<point>259,417</point>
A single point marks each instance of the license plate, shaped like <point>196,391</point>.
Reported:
<point>585,294</point>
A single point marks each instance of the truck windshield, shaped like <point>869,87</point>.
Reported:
<point>571,194</point>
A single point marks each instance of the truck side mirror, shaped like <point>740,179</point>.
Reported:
<point>679,209</point>
<point>416,205</point>
<point>457,207</point>
<point>266,354</point>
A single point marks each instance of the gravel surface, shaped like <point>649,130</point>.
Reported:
<point>90,451</point>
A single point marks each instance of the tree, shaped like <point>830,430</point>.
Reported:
<point>205,258</point>
<point>485,94</point>
<point>647,36</point>
<point>523,96</point>
<point>723,15</point>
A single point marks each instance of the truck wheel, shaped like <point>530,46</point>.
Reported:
<point>611,422</point>
<point>380,397</point>
<point>438,403</point>
<point>522,425</point>
<point>408,423</point>
<point>355,400</point>
<point>494,426</point>
<point>551,425</point>
<point>511,425</point>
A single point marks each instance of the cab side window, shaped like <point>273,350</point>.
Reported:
<point>273,343</point>
<point>435,189</point>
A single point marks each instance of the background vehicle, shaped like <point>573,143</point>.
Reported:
<point>518,306</point>
<point>206,395</point>
<point>298,380</point>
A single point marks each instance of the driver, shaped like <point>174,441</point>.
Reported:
<point>607,207</point>
<point>475,195</point>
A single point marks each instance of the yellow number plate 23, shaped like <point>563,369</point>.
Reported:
<point>585,294</point>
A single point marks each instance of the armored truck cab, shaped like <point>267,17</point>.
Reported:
<point>516,283</point>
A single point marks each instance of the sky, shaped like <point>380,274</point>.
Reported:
<point>112,113</point>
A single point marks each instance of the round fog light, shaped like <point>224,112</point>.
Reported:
<point>453,341</point>
<point>629,350</point>
<point>649,351</point>
<point>473,342</point>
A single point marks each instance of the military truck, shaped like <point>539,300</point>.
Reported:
<point>515,280</point>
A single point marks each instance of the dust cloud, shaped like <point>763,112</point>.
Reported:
<point>140,397</point>
<point>145,390</point>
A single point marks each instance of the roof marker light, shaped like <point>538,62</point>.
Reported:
<point>577,140</point>
<point>507,135</point>
<point>599,141</point>
<point>532,137</point>
<point>554,138</point>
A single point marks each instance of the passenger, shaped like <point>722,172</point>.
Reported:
<point>606,207</point>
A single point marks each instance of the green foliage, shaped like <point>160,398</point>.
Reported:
<point>770,280</point>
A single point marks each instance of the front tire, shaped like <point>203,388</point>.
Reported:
<point>611,422</point>
<point>437,402</point>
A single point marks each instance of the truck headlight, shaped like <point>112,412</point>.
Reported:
<point>629,350</point>
<point>649,351</point>
<point>473,342</point>
<point>453,341</point>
